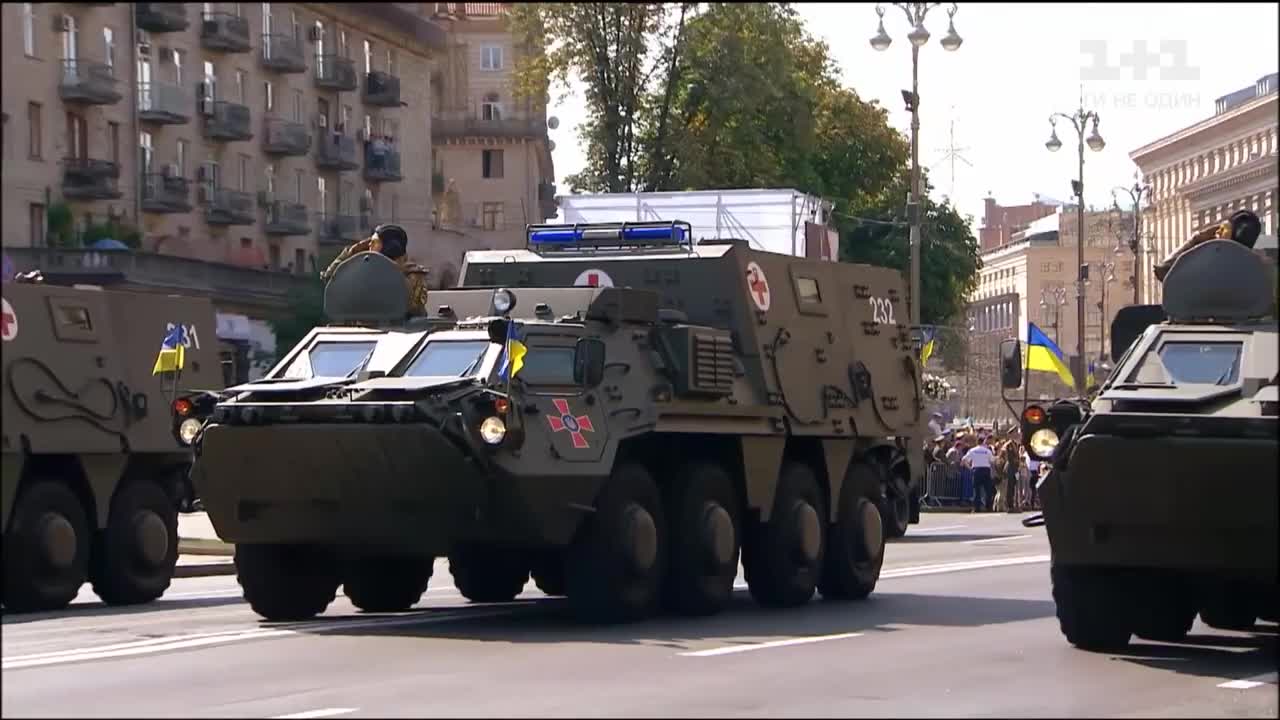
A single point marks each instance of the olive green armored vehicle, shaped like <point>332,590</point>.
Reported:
<point>1161,501</point>
<point>617,411</point>
<point>95,447</point>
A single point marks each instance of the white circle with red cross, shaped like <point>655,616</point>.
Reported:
<point>8,321</point>
<point>758,287</point>
<point>593,278</point>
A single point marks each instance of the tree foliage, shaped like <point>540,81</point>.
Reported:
<point>305,311</point>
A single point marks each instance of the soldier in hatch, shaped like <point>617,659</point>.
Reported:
<point>1243,226</point>
<point>392,241</point>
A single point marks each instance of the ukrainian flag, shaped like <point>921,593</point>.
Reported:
<point>927,336</point>
<point>1043,355</point>
<point>512,356</point>
<point>173,354</point>
<point>1089,379</point>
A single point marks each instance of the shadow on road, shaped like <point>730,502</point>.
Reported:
<point>101,609</point>
<point>1235,655</point>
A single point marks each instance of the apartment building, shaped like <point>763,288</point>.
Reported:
<point>1000,222</point>
<point>492,171</point>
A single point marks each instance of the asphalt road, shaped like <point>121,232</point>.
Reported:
<point>961,625</point>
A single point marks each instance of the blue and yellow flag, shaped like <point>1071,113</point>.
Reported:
<point>512,355</point>
<point>1089,380</point>
<point>173,354</point>
<point>927,337</point>
<point>1043,355</point>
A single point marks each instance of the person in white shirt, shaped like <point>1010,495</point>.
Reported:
<point>980,459</point>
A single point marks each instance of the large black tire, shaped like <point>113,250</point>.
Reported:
<point>855,542</point>
<point>1094,606</point>
<point>1229,606</point>
<point>617,560</point>
<point>548,574</point>
<point>895,503</point>
<point>46,548</point>
<point>287,582</point>
<point>488,575</point>
<point>135,556</point>
<point>703,520</point>
<point>784,557</point>
<point>1167,609</point>
<point>386,583</point>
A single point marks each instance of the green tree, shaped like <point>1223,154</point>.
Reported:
<point>305,311</point>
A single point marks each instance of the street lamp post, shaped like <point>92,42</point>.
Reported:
<point>1136,194</point>
<point>916,12</point>
<point>1105,277</point>
<point>1054,297</point>
<point>1079,121</point>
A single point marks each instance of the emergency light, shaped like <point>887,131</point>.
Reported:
<point>611,234</point>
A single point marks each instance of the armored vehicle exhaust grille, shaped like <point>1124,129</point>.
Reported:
<point>713,363</point>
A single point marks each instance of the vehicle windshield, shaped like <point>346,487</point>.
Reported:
<point>329,359</point>
<point>1190,363</point>
<point>548,366</point>
<point>448,358</point>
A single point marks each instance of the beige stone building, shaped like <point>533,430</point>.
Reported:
<point>493,172</point>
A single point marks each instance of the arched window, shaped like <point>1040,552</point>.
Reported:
<point>491,109</point>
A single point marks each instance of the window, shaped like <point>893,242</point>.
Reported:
<point>807,288</point>
<point>36,217</point>
<point>240,87</point>
<point>448,358</point>
<point>322,109</point>
<point>109,47</point>
<point>343,49</point>
<point>29,29</point>
<point>320,44</point>
<point>329,359</point>
<point>178,56</point>
<point>548,366</point>
<point>273,253</point>
<point>77,136</point>
<point>183,148</point>
<point>297,106</point>
<point>491,109</point>
<point>268,99</point>
<point>113,136</point>
<point>391,61</point>
<point>491,57</point>
<point>145,151</point>
<point>244,173</point>
<point>1203,363</point>
<point>368,57</point>
<point>269,174</point>
<point>299,260</point>
<point>324,195</point>
<point>35,140</point>
<point>1045,267</point>
<point>299,180</point>
<point>346,119</point>
<point>491,216</point>
<point>491,163</point>
<point>210,81</point>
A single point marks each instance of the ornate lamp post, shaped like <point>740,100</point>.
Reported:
<point>1106,276</point>
<point>1135,193</point>
<point>1053,297</point>
<point>915,12</point>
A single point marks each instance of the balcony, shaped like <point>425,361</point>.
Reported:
<point>382,168</point>
<point>381,89</point>
<point>285,137</point>
<point>226,121</point>
<point>458,125</point>
<point>283,54</point>
<point>224,32</point>
<point>335,73</point>
<point>227,207</point>
<point>286,218</point>
<point>85,179</point>
<point>342,229</point>
<point>164,104</point>
<point>162,17</point>
<point>88,83</point>
<point>164,194</point>
<point>336,152</point>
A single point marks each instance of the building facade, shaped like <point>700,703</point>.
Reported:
<point>1203,173</point>
<point>1001,222</point>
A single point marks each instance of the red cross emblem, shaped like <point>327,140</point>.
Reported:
<point>593,278</point>
<point>576,425</point>
<point>8,322</point>
<point>759,286</point>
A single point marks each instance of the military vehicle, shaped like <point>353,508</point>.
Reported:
<point>621,452</point>
<point>93,448</point>
<point>1161,500</point>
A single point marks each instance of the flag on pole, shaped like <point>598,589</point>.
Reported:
<point>172,355</point>
<point>1044,355</point>
<point>1089,379</point>
<point>927,335</point>
<point>512,355</point>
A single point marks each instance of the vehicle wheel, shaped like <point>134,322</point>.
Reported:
<point>488,575</point>
<point>548,574</point>
<point>1093,606</point>
<point>46,548</point>
<point>895,504</point>
<point>616,562</point>
<point>855,543</point>
<point>784,556</point>
<point>1229,606</point>
<point>704,546</point>
<point>135,556</point>
<point>1168,610</point>
<point>287,582</point>
<point>386,583</point>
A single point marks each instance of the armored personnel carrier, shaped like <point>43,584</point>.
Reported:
<point>622,445</point>
<point>1161,501</point>
<point>95,448</point>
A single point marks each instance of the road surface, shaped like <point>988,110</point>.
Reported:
<point>961,624</point>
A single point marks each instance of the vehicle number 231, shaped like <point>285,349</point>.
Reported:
<point>881,311</point>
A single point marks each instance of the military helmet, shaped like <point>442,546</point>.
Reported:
<point>395,241</point>
<point>1245,227</point>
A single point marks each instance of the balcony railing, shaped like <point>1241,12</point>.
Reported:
<point>165,194</point>
<point>285,137</point>
<point>227,207</point>
<point>226,121</point>
<point>336,152</point>
<point>88,179</point>
<point>283,53</point>
<point>381,89</point>
<point>381,167</point>
<point>447,124</point>
<point>342,229</point>
<point>224,32</point>
<point>476,10</point>
<point>286,218</point>
<point>164,103</point>
<point>162,17</point>
<point>90,83</point>
<point>334,72</point>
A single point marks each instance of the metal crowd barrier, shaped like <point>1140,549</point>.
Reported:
<point>944,486</point>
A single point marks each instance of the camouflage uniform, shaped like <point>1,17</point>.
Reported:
<point>415,275</point>
<point>1243,226</point>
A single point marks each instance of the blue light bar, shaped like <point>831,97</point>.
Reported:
<point>587,234</point>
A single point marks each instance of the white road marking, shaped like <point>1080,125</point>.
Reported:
<point>949,567</point>
<point>919,531</point>
<point>1250,683</point>
<point>996,539</point>
<point>323,712</point>
<point>731,649</point>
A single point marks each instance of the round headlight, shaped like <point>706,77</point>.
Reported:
<point>492,430</point>
<point>188,429</point>
<point>503,301</point>
<point>1043,442</point>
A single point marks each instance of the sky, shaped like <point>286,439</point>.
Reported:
<point>1020,63</point>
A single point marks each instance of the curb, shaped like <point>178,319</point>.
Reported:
<point>205,546</point>
<point>204,570</point>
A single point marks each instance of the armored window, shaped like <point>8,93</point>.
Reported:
<point>448,358</point>
<point>808,290</point>
<point>329,359</point>
<point>1194,363</point>
<point>548,365</point>
<point>74,317</point>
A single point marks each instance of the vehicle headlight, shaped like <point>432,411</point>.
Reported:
<point>503,301</point>
<point>188,429</point>
<point>1043,442</point>
<point>493,430</point>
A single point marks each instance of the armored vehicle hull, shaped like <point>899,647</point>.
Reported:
<point>93,461</point>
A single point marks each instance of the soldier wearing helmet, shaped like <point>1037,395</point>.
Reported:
<point>1243,226</point>
<point>392,241</point>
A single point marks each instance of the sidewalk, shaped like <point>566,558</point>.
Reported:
<point>200,552</point>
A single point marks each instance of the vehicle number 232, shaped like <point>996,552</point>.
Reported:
<point>881,311</point>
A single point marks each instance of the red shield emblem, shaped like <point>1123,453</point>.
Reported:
<point>575,425</point>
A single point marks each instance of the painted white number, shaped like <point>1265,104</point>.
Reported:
<point>190,338</point>
<point>881,311</point>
